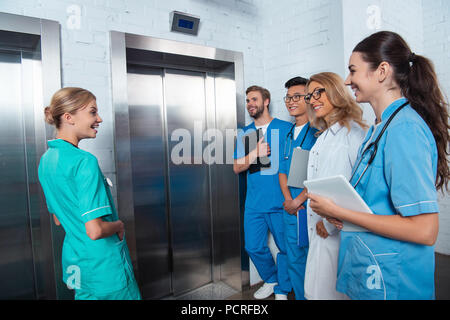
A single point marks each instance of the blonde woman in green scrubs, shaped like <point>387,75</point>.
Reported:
<point>95,258</point>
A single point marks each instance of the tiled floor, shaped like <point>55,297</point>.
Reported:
<point>211,291</point>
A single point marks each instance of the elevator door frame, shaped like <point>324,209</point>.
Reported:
<point>226,263</point>
<point>45,237</point>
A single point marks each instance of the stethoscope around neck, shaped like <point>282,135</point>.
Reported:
<point>290,137</point>
<point>374,146</point>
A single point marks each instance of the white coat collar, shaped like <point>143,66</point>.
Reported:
<point>335,128</point>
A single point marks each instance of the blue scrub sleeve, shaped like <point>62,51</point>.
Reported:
<point>92,196</point>
<point>409,169</point>
<point>284,166</point>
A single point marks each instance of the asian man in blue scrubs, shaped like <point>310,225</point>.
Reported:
<point>263,202</point>
<point>301,135</point>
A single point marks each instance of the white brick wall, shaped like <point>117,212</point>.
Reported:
<point>298,39</point>
<point>364,17</point>
<point>436,35</point>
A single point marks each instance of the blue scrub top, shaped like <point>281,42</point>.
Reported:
<point>401,180</point>
<point>307,136</point>
<point>76,192</point>
<point>263,187</point>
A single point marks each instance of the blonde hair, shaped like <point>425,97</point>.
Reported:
<point>66,100</point>
<point>345,107</point>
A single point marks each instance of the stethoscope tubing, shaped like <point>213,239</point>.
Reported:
<point>290,136</point>
<point>375,146</point>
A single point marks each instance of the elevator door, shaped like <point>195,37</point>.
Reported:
<point>16,254</point>
<point>171,189</point>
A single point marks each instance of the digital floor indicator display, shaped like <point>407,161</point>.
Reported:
<point>184,23</point>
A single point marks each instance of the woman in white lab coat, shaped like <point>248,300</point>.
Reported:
<point>339,120</point>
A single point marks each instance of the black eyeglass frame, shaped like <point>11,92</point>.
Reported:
<point>295,98</point>
<point>316,94</point>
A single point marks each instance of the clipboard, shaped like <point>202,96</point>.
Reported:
<point>298,171</point>
<point>338,189</point>
<point>250,140</point>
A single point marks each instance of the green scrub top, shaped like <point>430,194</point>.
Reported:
<point>76,192</point>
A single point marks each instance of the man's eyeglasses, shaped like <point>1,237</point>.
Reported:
<point>295,98</point>
<point>316,94</point>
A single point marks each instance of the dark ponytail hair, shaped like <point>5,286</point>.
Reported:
<point>415,76</point>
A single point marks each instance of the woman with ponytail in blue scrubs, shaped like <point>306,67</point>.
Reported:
<point>95,258</point>
<point>301,135</point>
<point>401,165</point>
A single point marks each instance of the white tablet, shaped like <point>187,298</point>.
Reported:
<point>338,189</point>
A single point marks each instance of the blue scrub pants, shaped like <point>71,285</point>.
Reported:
<point>256,227</point>
<point>296,256</point>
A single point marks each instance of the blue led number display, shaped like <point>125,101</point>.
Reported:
<point>185,24</point>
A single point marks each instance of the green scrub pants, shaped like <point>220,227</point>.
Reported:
<point>130,292</point>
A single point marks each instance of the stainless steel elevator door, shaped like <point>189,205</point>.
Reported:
<point>145,99</point>
<point>171,199</point>
<point>185,100</point>
<point>16,256</point>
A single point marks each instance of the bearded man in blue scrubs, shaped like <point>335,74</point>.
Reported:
<point>264,199</point>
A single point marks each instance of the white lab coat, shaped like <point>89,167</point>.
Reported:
<point>334,153</point>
